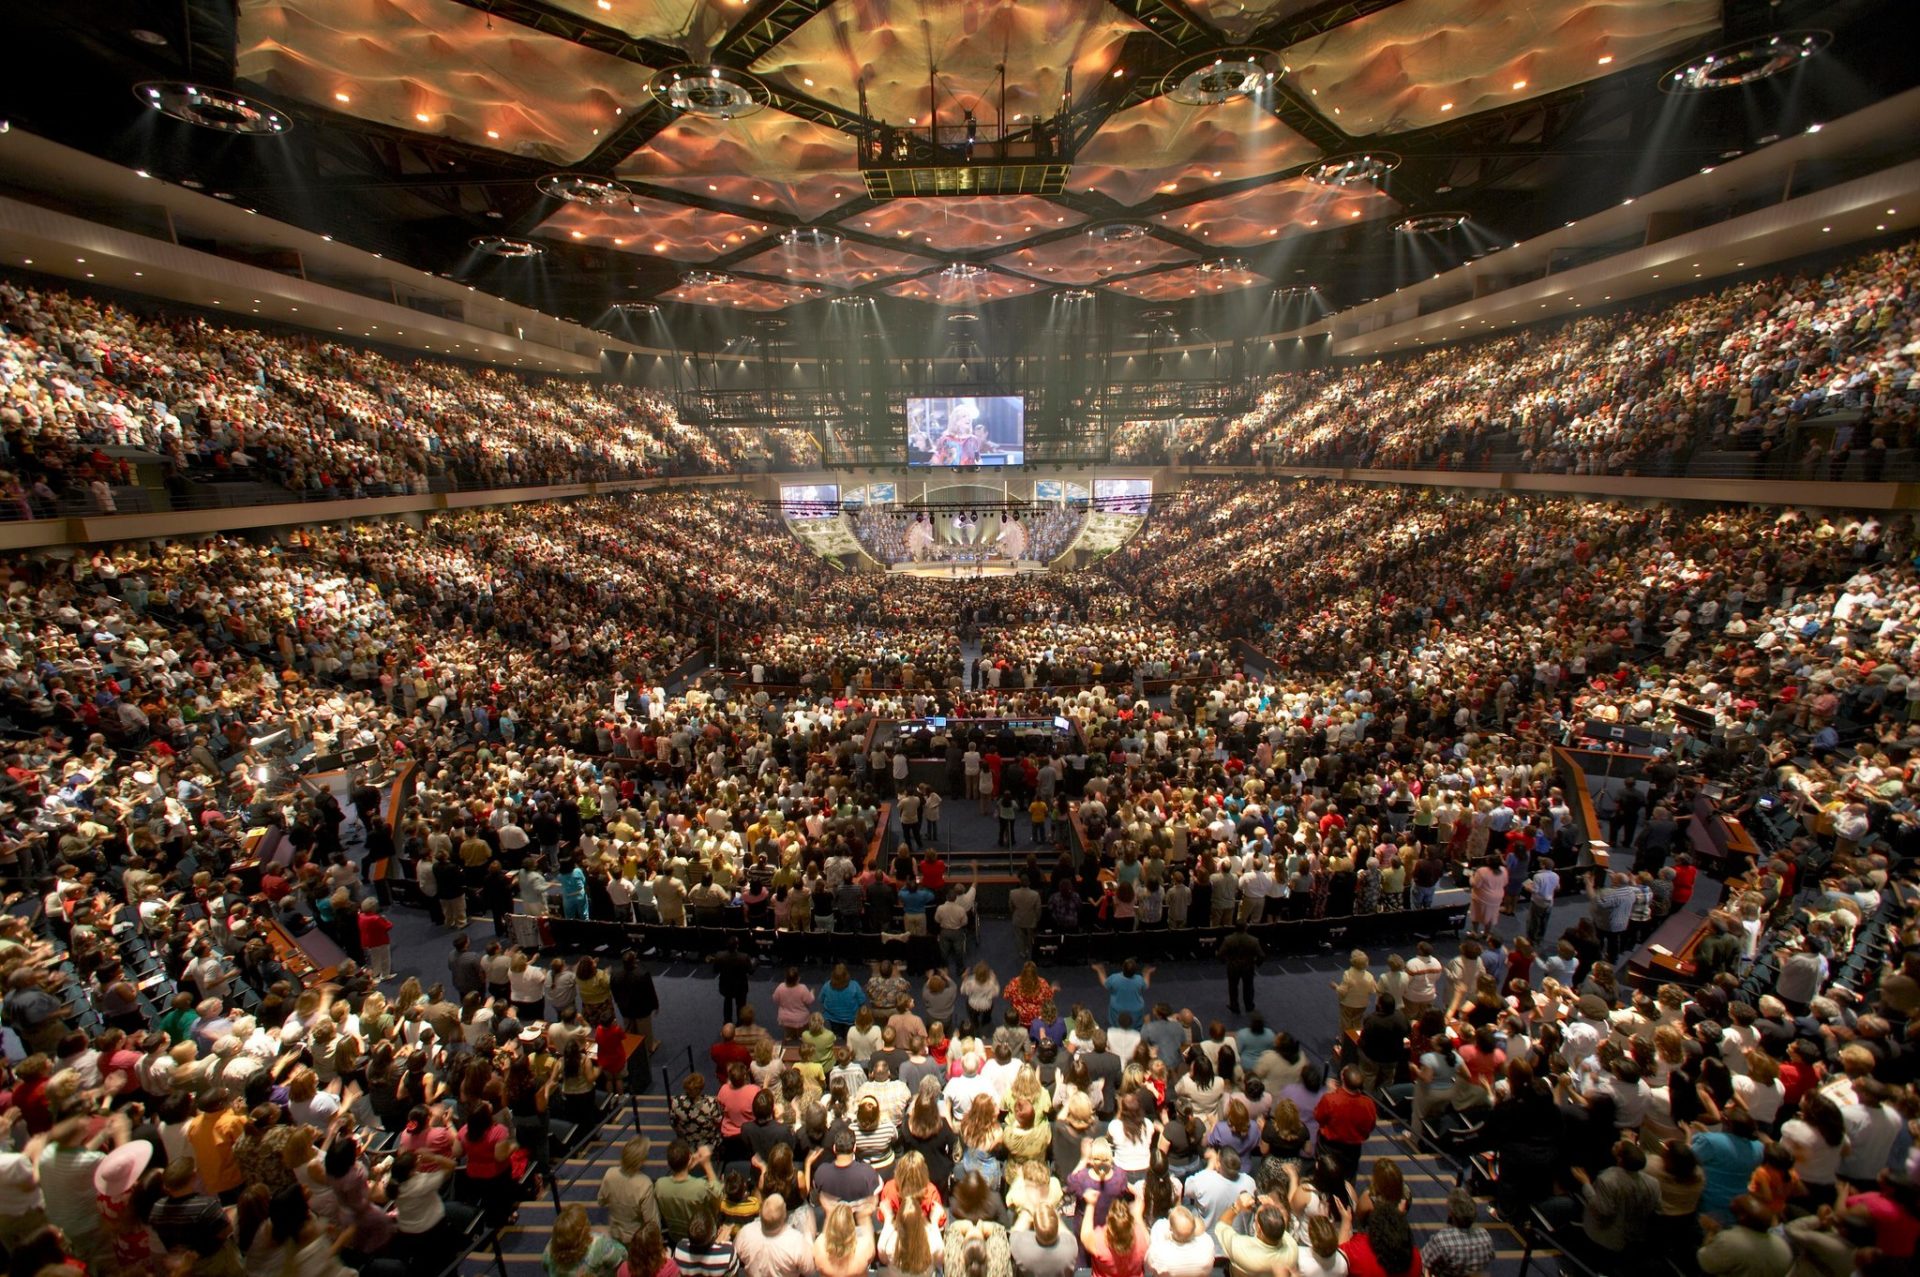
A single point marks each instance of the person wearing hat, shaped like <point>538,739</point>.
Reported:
<point>114,1180</point>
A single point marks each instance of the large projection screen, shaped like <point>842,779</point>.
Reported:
<point>967,430</point>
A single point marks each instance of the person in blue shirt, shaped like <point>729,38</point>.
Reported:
<point>573,891</point>
<point>1126,989</point>
<point>915,900</point>
<point>1727,1158</point>
<point>1255,1040</point>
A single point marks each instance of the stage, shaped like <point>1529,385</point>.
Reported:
<point>967,571</point>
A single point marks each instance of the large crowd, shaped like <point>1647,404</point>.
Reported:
<point>1751,368</point>
<point>213,401</point>
<point>1365,684</point>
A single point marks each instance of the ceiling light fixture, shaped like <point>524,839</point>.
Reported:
<point>1745,62</point>
<point>1075,294</point>
<point>584,188</point>
<point>706,279</point>
<point>710,92</point>
<point>1217,78</point>
<point>504,246</point>
<point>809,237</point>
<point>1347,171</point>
<point>216,109</point>
<point>1430,223</point>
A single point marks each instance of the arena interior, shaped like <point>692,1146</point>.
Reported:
<point>960,638</point>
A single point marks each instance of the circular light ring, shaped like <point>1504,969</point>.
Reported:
<point>1356,168</point>
<point>711,92</point>
<point>222,110</point>
<point>505,246</point>
<point>1076,294</point>
<point>584,188</point>
<point>770,325</point>
<point>706,278</point>
<point>809,237</point>
<point>850,300</point>
<point>1158,313</point>
<point>1219,77</point>
<point>1119,232</point>
<point>1430,223</point>
<point>637,308</point>
<point>1222,266</point>
<point>963,317</point>
<point>1745,62</point>
<point>963,272</point>
<point>1289,292</point>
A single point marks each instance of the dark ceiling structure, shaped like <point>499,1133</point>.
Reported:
<point>418,126</point>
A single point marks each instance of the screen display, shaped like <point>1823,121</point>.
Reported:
<point>972,430</point>
<point>1123,496</point>
<point>882,494</point>
<point>810,500</point>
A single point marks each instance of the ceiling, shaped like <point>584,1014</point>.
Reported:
<point>419,124</point>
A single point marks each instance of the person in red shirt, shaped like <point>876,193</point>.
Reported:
<point>1385,1249</point>
<point>1346,1117</point>
<point>610,1053</point>
<point>376,937</point>
<point>1683,875</point>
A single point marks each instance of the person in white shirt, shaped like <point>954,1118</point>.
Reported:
<point>1178,1248</point>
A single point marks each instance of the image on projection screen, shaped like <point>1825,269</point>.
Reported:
<point>810,500</point>
<point>971,430</point>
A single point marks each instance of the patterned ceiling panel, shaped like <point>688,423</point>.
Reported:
<point>889,45</point>
<point>1084,259</point>
<point>958,225</point>
<point>1163,148</point>
<point>766,160</point>
<point>844,265</point>
<point>674,21</point>
<point>743,294</point>
<point>659,229</point>
<point>1188,281</point>
<point>438,68</point>
<point>1423,62</point>
<point>944,290</point>
<point>1241,18</point>
<point>1271,213</point>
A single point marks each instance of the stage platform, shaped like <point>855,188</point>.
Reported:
<point>966,571</point>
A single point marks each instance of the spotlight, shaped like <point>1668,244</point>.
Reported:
<point>1222,266</point>
<point>216,109</point>
<point>963,272</point>
<point>1076,294</point>
<point>1430,223</point>
<point>706,278</point>
<point>1745,62</point>
<point>1118,232</point>
<point>504,246</point>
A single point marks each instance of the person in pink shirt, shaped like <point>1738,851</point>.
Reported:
<point>793,1003</point>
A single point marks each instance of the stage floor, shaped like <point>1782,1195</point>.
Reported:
<point>966,571</point>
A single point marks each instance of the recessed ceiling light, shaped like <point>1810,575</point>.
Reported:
<point>1518,85</point>
<point>494,134</point>
<point>422,116</point>
<point>1606,59</point>
<point>1446,106</point>
<point>342,97</point>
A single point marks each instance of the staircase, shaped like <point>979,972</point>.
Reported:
<point>1429,1177</point>
<point>577,1179</point>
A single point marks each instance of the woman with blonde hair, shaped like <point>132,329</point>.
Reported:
<point>1117,1250</point>
<point>574,1249</point>
<point>1033,1186</point>
<point>1355,988</point>
<point>907,1247</point>
<point>843,1248</point>
<point>911,1185</point>
<point>980,1141</point>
